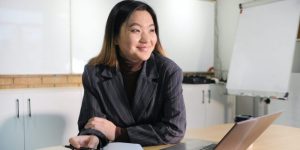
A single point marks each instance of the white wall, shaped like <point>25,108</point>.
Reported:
<point>227,19</point>
<point>186,29</point>
<point>296,66</point>
<point>88,19</point>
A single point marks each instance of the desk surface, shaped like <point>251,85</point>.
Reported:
<point>276,137</point>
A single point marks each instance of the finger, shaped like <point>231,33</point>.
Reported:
<point>74,141</point>
<point>93,142</point>
<point>98,119</point>
<point>93,121</point>
<point>88,125</point>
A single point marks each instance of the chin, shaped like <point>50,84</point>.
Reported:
<point>144,58</point>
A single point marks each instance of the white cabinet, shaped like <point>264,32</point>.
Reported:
<point>206,105</point>
<point>217,105</point>
<point>35,37</point>
<point>194,100</point>
<point>11,122</point>
<point>36,118</point>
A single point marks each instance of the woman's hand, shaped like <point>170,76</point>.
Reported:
<point>90,141</point>
<point>104,126</point>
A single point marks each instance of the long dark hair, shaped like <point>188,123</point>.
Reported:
<point>118,15</point>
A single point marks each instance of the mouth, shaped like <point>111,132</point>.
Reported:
<point>142,48</point>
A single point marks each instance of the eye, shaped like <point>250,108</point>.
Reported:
<point>135,30</point>
<point>152,30</point>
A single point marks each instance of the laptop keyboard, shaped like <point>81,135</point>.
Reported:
<point>209,147</point>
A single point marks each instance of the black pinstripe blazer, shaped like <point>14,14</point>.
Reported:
<point>157,112</point>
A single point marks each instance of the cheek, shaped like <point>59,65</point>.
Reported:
<point>127,43</point>
<point>132,40</point>
<point>154,40</point>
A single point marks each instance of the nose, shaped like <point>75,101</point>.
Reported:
<point>145,37</point>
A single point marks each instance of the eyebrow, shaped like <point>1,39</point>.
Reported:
<point>136,24</point>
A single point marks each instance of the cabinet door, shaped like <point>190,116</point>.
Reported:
<point>194,104</point>
<point>11,121</point>
<point>53,119</point>
<point>34,36</point>
<point>216,105</point>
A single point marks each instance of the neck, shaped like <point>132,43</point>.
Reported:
<point>128,66</point>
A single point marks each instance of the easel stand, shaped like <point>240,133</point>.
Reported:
<point>260,106</point>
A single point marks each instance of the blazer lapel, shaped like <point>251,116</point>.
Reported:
<point>146,88</point>
<point>114,89</point>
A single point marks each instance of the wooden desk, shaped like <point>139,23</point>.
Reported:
<point>276,137</point>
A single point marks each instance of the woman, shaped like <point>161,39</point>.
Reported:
<point>132,92</point>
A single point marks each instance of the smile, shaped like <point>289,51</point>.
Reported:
<point>142,48</point>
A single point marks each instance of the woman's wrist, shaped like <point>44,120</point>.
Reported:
<point>121,134</point>
<point>118,133</point>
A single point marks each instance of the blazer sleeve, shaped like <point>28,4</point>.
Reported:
<point>90,108</point>
<point>172,125</point>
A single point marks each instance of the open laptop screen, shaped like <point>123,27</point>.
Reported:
<point>239,137</point>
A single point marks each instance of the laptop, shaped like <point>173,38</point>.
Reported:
<point>239,137</point>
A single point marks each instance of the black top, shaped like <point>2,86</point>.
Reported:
<point>130,72</point>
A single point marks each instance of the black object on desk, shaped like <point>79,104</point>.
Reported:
<point>240,118</point>
<point>197,79</point>
<point>81,148</point>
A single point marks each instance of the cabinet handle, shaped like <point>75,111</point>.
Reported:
<point>18,108</point>
<point>209,94</point>
<point>29,108</point>
<point>203,96</point>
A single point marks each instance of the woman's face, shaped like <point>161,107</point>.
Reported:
<point>137,37</point>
